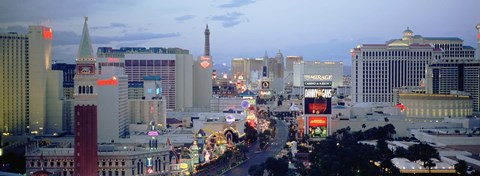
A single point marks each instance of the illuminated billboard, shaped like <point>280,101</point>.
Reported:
<point>265,93</point>
<point>149,164</point>
<point>318,100</point>
<point>47,33</point>
<point>204,62</point>
<point>317,126</point>
<point>108,82</point>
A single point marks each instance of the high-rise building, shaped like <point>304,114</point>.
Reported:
<point>202,78</point>
<point>85,145</point>
<point>306,71</point>
<point>68,90</point>
<point>444,76</point>
<point>112,105</point>
<point>173,65</point>
<point>150,109</point>
<point>242,67</point>
<point>478,40</point>
<point>377,69</point>
<point>288,73</point>
<point>24,61</point>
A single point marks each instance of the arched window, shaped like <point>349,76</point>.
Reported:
<point>87,90</point>
<point>91,89</point>
<point>83,89</point>
<point>79,90</point>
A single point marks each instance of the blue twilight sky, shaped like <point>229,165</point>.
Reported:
<point>314,29</point>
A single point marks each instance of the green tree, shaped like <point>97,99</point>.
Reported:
<point>256,170</point>
<point>250,133</point>
<point>243,150</point>
<point>423,152</point>
<point>264,138</point>
<point>276,167</point>
<point>388,168</point>
<point>429,164</point>
<point>461,167</point>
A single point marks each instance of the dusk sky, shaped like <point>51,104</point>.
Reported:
<point>316,30</point>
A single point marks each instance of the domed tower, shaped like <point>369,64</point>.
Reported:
<point>407,35</point>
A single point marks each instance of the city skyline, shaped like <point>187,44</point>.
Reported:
<point>306,28</point>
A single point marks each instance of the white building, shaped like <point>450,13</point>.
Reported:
<point>303,71</point>
<point>112,105</point>
<point>28,104</point>
<point>152,108</point>
<point>127,160</point>
<point>377,69</point>
<point>436,105</point>
<point>224,104</point>
<point>173,65</point>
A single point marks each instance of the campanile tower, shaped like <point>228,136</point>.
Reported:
<point>85,95</point>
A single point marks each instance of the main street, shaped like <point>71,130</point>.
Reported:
<point>258,157</point>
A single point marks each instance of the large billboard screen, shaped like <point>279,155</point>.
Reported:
<point>318,100</point>
<point>317,126</point>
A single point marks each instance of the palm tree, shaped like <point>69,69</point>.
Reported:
<point>429,164</point>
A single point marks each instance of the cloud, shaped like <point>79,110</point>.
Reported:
<point>183,18</point>
<point>229,20</point>
<point>132,37</point>
<point>38,11</point>
<point>112,25</point>
<point>236,3</point>
<point>71,38</point>
<point>17,28</point>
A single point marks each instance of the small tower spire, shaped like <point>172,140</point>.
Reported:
<point>85,50</point>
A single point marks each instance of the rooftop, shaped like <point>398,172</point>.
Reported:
<point>443,38</point>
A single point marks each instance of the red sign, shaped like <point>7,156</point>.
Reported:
<point>47,33</point>
<point>317,121</point>
<point>111,59</point>
<point>107,82</point>
<point>149,169</point>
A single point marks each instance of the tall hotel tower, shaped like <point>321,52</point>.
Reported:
<point>85,108</point>
<point>24,63</point>
<point>202,77</point>
<point>377,69</point>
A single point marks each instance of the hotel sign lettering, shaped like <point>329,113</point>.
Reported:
<point>318,77</point>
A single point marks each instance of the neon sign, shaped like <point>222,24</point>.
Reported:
<point>314,93</point>
<point>230,119</point>
<point>245,104</point>
<point>111,59</point>
<point>108,82</point>
<point>204,62</point>
<point>318,77</point>
<point>317,121</point>
<point>47,33</point>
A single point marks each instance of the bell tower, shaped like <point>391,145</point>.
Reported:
<point>85,108</point>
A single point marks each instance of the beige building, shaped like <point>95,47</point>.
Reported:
<point>436,105</point>
<point>29,90</point>
<point>303,71</point>
<point>242,67</point>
